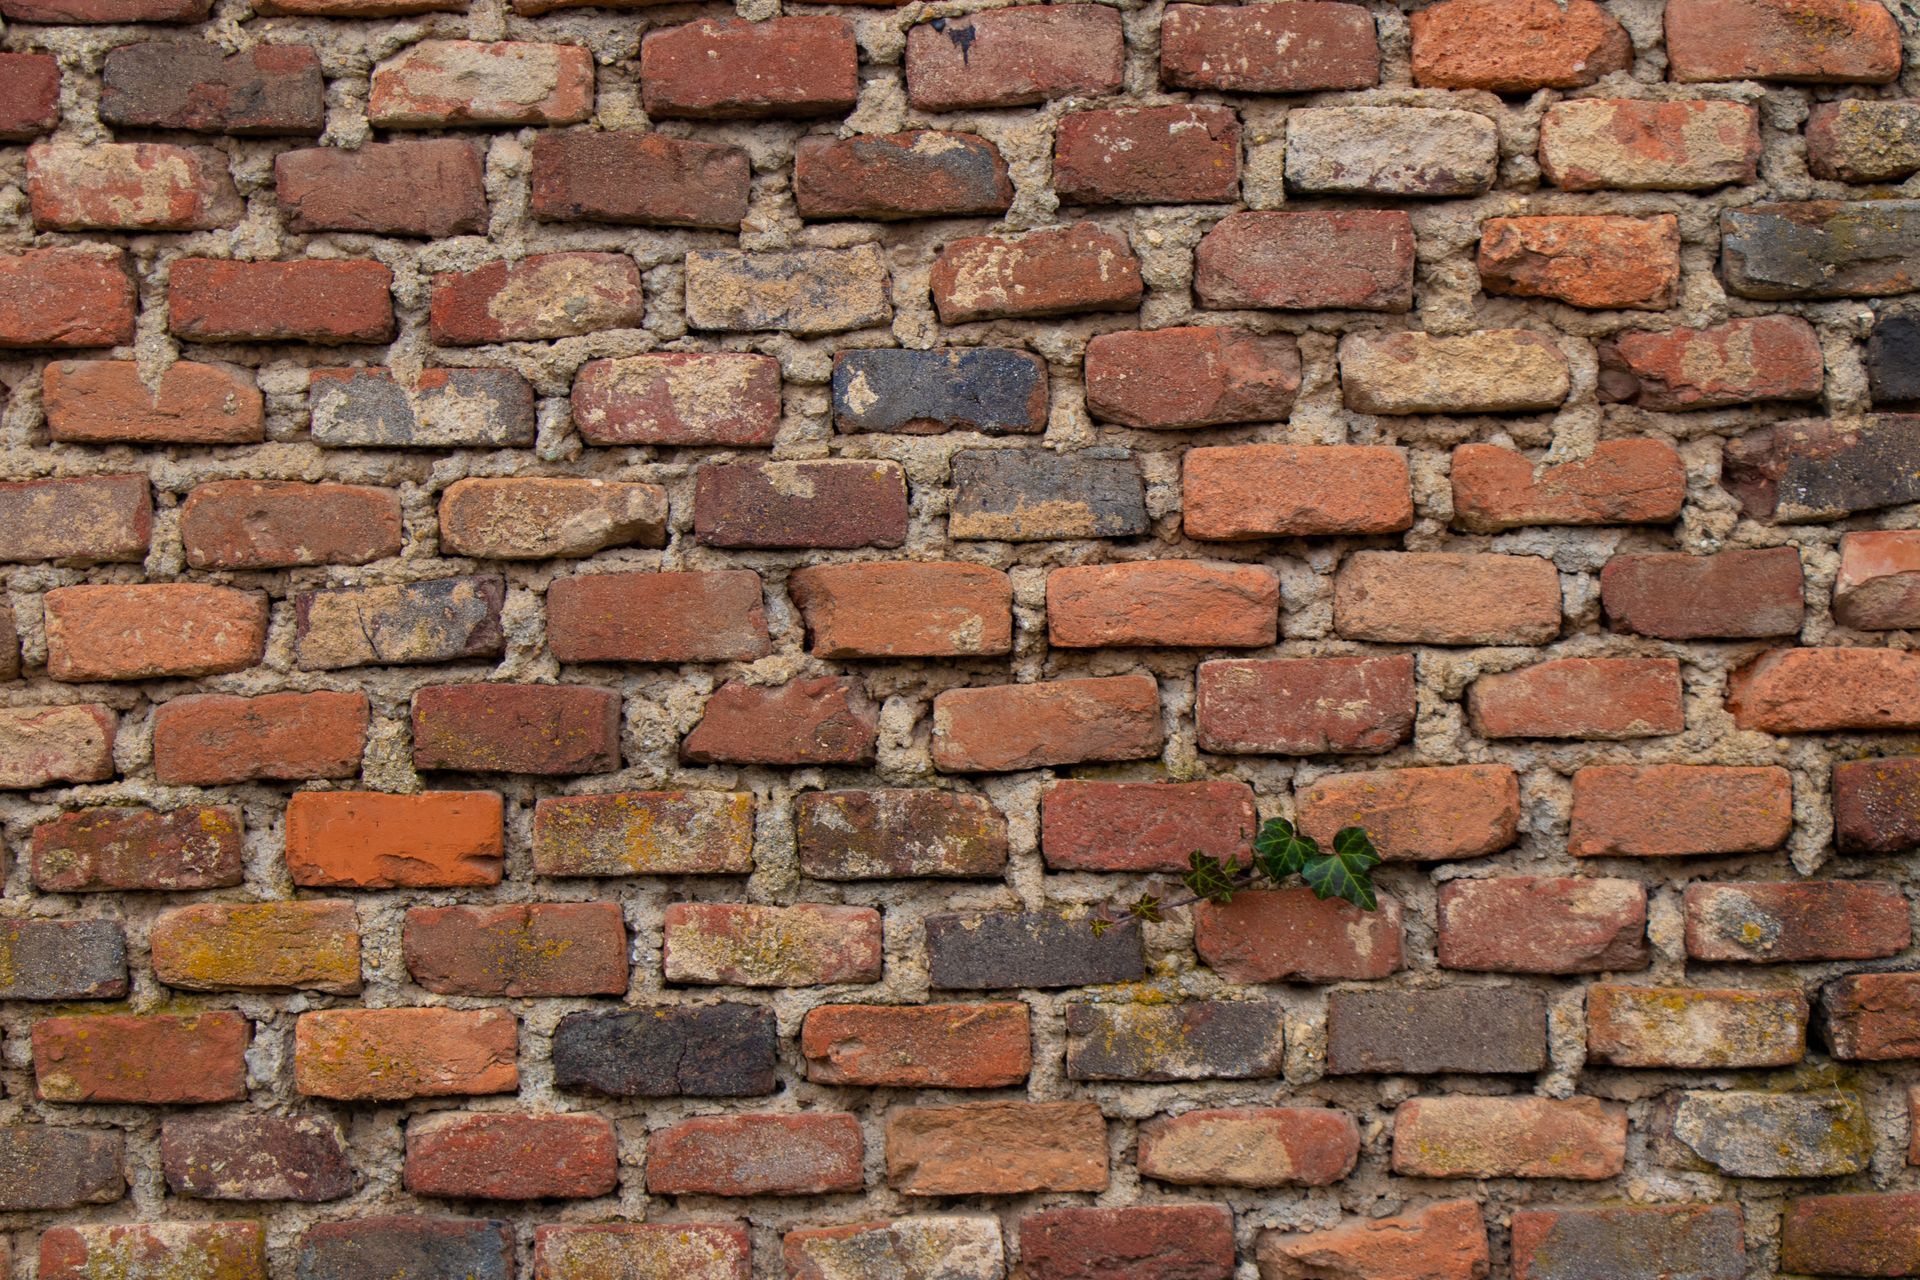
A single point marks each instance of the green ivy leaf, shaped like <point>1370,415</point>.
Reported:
<point>1145,907</point>
<point>1344,873</point>
<point>1210,879</point>
<point>1100,925</point>
<point>1280,851</point>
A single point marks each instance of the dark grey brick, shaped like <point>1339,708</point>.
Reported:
<point>1008,949</point>
<point>413,1247</point>
<point>1893,360</point>
<point>663,1051</point>
<point>42,1167</point>
<point>1822,249</point>
<point>988,389</point>
<point>1198,1040</point>
<point>1809,471</point>
<point>1034,495</point>
<point>255,1156</point>
<point>268,89</point>
<point>62,960</point>
<point>1630,1242</point>
<point>436,621</point>
<point>446,408</point>
<point>1458,1029</point>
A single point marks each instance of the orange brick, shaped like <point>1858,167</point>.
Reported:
<point>259,946</point>
<point>369,840</point>
<point>1670,810</point>
<point>368,1055</point>
<point>159,1060</point>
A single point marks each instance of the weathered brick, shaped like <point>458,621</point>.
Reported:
<point>1621,482</point>
<point>1727,595</point>
<point>1468,1030</point>
<point>1821,248</point>
<point>1269,48</point>
<point>647,179</point>
<point>1051,272</point>
<point>433,188</point>
<point>997,1148</point>
<point>439,620</point>
<point>511,1157</point>
<point>1543,924</point>
<point>657,617</point>
<point>161,1059</point>
<point>1578,1139</point>
<point>1039,495</point>
<point>1797,473</point>
<point>1391,151</point>
<point>45,959</point>
<point>1288,935</point>
<point>828,503</point>
<point>1237,492</point>
<point>368,840</point>
<point>44,744</point>
<point>1191,1040</point>
<point>1850,1235</point>
<point>207,739</point>
<point>1863,139</point>
<point>992,390</point>
<point>130,186</point>
<point>1876,805</point>
<point>1488,371</point>
<point>1796,922</point>
<point>1516,46</point>
<point>1138,1242</point>
<point>9,644</point>
<point>310,945</point>
<point>1585,261</point>
<point>1632,1242</point>
<point>1258,1147</point>
<point>278,524</point>
<point>1672,810</point>
<point>929,1046</point>
<point>540,518</point>
<point>1824,690</point>
<point>958,1248</point>
<point>1194,376</point>
<point>152,630</point>
<point>30,102</point>
<point>1304,706</point>
<point>1014,57</point>
<point>1418,815</point>
<point>155,1251</point>
<point>66,298</point>
<point>518,949</point>
<point>1163,602</point>
<point>546,295</point>
<point>679,398</point>
<point>878,835</point>
<point>1592,144</point>
<point>437,83</point>
<point>1740,362</point>
<point>379,1055</point>
<point>412,1245</point>
<point>1773,1135</point>
<point>1694,1029</point>
<point>1144,826</point>
<point>1351,259</point>
<point>641,1251</point>
<point>917,174</point>
<point>730,68</point>
<point>1444,1241</point>
<point>1878,586</point>
<point>1810,41</point>
<point>114,849</point>
<point>545,729</point>
<point>1054,722</point>
<point>1404,597</point>
<point>812,1153</point>
<point>1005,950</point>
<point>664,1051</point>
<point>632,833</point>
<point>904,610</point>
<point>311,300</point>
<point>106,402</point>
<point>1612,699</point>
<point>1872,1017</point>
<point>200,88</point>
<point>810,721</point>
<point>804,292</point>
<point>437,409</point>
<point>255,1156</point>
<point>739,944</point>
<point>91,12</point>
<point>78,520</point>
<point>1147,155</point>
<point>58,1168</point>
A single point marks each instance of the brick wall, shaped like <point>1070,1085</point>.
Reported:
<point>594,593</point>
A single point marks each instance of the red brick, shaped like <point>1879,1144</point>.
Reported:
<point>1878,586</point>
<point>1144,826</point>
<point>1056,722</point>
<point>1607,698</point>
<point>254,1155</point>
<point>1404,597</point>
<point>997,1148</point>
<point>313,300</point>
<point>1288,935</point>
<point>538,517</point>
<point>1295,490</point>
<point>1578,1139</point>
<point>1051,272</point>
<point>357,8</point>
<point>729,68</point>
<point>1444,1241</point>
<point>1620,482</point>
<point>1691,1029</point>
<point>546,295</point>
<point>1592,144</point>
<point>1852,1235</point>
<point>82,520</point>
<point>29,95</point>
<point>511,1157</point>
<point>99,12</point>
<point>810,721</point>
<point>368,840</point>
<point>1703,1240</point>
<point>1876,805</point>
<point>1304,706</point>
<point>1728,595</point>
<point>1197,376</point>
<point>278,524</point>
<point>1418,815</point>
<point>152,1250</point>
<point>310,945</point>
<point>736,944</point>
<point>679,398</point>
<point>1189,603</point>
<point>1543,924</point>
<point>646,179</point>
<point>1585,261</point>
<point>1139,1242</point>
<point>437,83</point>
<point>1823,690</point>
<point>1014,57</point>
<point>1257,1147</point>
<point>1789,923</point>
<point>130,186</point>
<point>916,610</point>
<point>66,298</point>
<point>1808,41</point>
<point>1740,362</point>
<point>385,1055</point>
<point>910,831</point>
<point>641,1251</point>
<point>918,174</point>
<point>1516,46</point>
<point>1269,48</point>
<point>658,617</point>
<point>546,729</point>
<point>158,1060</point>
<point>836,504</point>
<point>637,833</point>
<point>45,744</point>
<point>1670,810</point>
<point>207,739</point>
<point>153,630</point>
<point>107,402</point>
<point>813,1153</point>
<point>520,949</point>
<point>1147,155</point>
<point>112,849</point>
<point>1351,259</point>
<point>433,188</point>
<point>932,1046</point>
<point>267,89</point>
<point>1872,1017</point>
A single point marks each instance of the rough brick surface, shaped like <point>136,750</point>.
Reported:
<point>397,188</point>
<point>1013,57</point>
<point>272,524</point>
<point>732,68</point>
<point>255,1157</point>
<point>686,398</point>
<point>1641,1240</point>
<point>66,298</point>
<point>511,1157</point>
<point>1667,810</point>
<point>1694,1029</point>
<point>1733,595</point>
<point>79,521</point>
<point>1278,490</point>
<point>825,720</point>
<point>644,833</point>
<point>538,519</point>
<point>110,849</point>
<point>1059,722</point>
<point>644,178</point>
<point>1417,815</point>
<point>1620,482</point>
<point>1543,924</point>
<point>549,295</point>
<point>1516,46</point>
<point>267,89</point>
<point>539,949</point>
<point>1592,144</point>
<point>750,1155</point>
<point>1577,1139</point>
<point>1304,706</point>
<point>1147,1242</point>
<point>516,728</point>
<point>130,186</point>
<point>391,1054</point>
<point>1439,598</point>
<point>313,945</point>
<point>1359,260</point>
<point>1586,261</point>
<point>664,1051</point>
<point>1269,48</point>
<point>1255,1147</point>
<point>1144,826</point>
<point>1742,361</point>
<point>1043,273</point>
<point>441,408</point>
<point>210,738</point>
<point>366,840</point>
<point>1605,698</point>
<point>904,610</point>
<point>307,301</point>
<point>657,617</point>
<point>437,83</point>
<point>1152,155</point>
<point>1815,41</point>
<point>1278,935</point>
<point>150,1060</point>
<point>1192,1040</point>
<point>997,1148</point>
<point>1787,923</point>
<point>1443,1241</point>
<point>938,1046</point>
<point>1492,371</point>
<point>108,402</point>
<point>1197,376</point>
<point>922,173</point>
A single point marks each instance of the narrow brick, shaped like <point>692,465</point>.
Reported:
<point>1304,706</point>
<point>829,504</point>
<point>369,840</point>
<point>1288,935</point>
<point>992,390</point>
<point>644,179</point>
<point>1740,362</point>
<point>45,744</point>
<point>967,1248</point>
<point>499,1156</point>
<point>809,721</point>
<point>1808,41</point>
<point>1144,826</point>
<point>1147,155</point>
<point>1458,1030</point>
<point>1007,950</point>
<point>130,186</point>
<point>1876,805</point>
<point>434,188</point>
<point>1417,815</point>
<point>738,944</point>
<point>544,729</point>
<point>1872,1017</point>
<point>1038,495</point>
<point>1612,699</point>
<point>1051,272</point>
<point>1391,151</point>
<point>1443,1241</point>
<point>544,296</point>
<point>1821,248</point>
<point>1191,376</point>
<point>200,88</point>
<point>1014,57</point>
<point>1185,603</point>
<point>439,620</point>
<point>657,617</point>
<point>1239,492</point>
<point>280,524</point>
<point>1826,690</point>
<point>1138,1242</point>
<point>116,849</point>
<point>1578,1139</point>
<point>155,1251</point>
<point>30,103</point>
<point>1863,139</point>
<point>438,83</point>
<point>1670,810</point>
<point>518,949</point>
<point>1354,260</point>
<point>77,521</point>
<point>665,1051</point>
<point>808,1154</point>
<point>51,959</point>
<point>1516,46</point>
<point>929,1046</point>
<point>1056,722</point>
<point>730,68</point>
<point>1405,597</point>
<point>1727,595</point>
<point>1621,482</point>
<point>1692,1029</point>
<point>379,1055</point>
<point>904,610</point>
<point>409,1245</point>
<point>1633,1242</point>
<point>879,835</point>
<point>679,398</point>
<point>997,1148</point>
<point>162,1059</point>
<point>310,945</point>
<point>255,1156</point>
<point>438,409</point>
<point>1758,1134</point>
<point>642,1251</point>
<point>1191,1040</point>
<point>1850,1235</point>
<point>312,300</point>
<point>1489,371</point>
<point>1800,473</point>
<point>208,739</point>
<point>1593,144</point>
<point>637,833</point>
<point>1543,924</point>
<point>1254,1147</point>
<point>59,1168</point>
<point>1585,261</point>
<point>918,174</point>
<point>1269,48</point>
<point>538,518</point>
<point>1878,586</point>
<point>804,292</point>
<point>106,402</point>
<point>66,299</point>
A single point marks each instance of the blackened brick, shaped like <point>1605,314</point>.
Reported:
<point>43,1167</point>
<point>1036,495</point>
<point>1008,949</point>
<point>1192,1040</point>
<point>43,959</point>
<point>664,1051</point>
<point>1455,1029</point>
<point>987,389</point>
<point>409,1246</point>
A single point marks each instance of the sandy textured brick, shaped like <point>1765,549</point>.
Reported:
<point>730,68</point>
<point>1757,1134</point>
<point>1856,1234</point>
<point>377,1055</point>
<point>76,521</point>
<point>280,524</point>
<point>1056,271</point>
<point>1404,597</point>
<point>1821,248</point>
<point>434,188</point>
<point>1037,495</point>
<point>368,840</point>
<point>44,744</point>
<point>412,1244</point>
<point>115,849</point>
<point>661,1051</point>
<point>647,179</point>
<point>1864,139</point>
<point>436,409</point>
<point>1774,923</point>
<point>1488,371</point>
<point>1876,805</point>
<point>881,834</point>
<point>1878,586</point>
<point>311,300</point>
<point>520,949</point>
<point>641,1251</point>
<point>679,398</point>
<point>1193,376</point>
<point>1008,950</point>
<point>1391,151</point>
<point>107,402</point>
<point>812,1153</point>
<point>1056,722</point>
<point>310,945</point>
<point>1190,1040</point>
<point>546,295</point>
<point>997,1148</point>
<point>497,1156</point>
<point>1516,46</point>
<point>1456,1030</point>
<point>1807,41</point>
<point>957,1248</point>
<point>992,390</point>
<point>206,739</point>
<point>804,292</point>
<point>163,1059</point>
<point>130,186</point>
<point>1359,260</point>
<point>1801,472</point>
<point>1269,48</point>
<point>927,1046</point>
<point>1542,924</point>
<point>829,503</point>
<point>439,620</point>
<point>809,721</point>
<point>627,833</point>
<point>1147,155</point>
<point>1872,1017</point>
<point>1236,492</point>
<point>30,100</point>
<point>1014,57</point>
<point>922,173</point>
<point>738,944</point>
<point>91,12</point>
<point>1728,595</point>
<point>1578,1139</point>
<point>255,1156</point>
<point>1740,362</point>
<point>197,87</point>
<point>59,1168</point>
<point>1288,935</point>
<point>1137,1242</point>
<point>1826,690</point>
<point>1593,144</point>
<point>1255,1147</point>
<point>1304,706</point>
<point>1694,1029</point>
<point>155,1251</point>
<point>657,617</point>
<point>903,610</point>
<point>1633,1242</point>
<point>1611,699</point>
<point>545,729</point>
<point>1163,602</point>
<point>1443,1241</point>
<point>66,299</point>
<point>1586,261</point>
<point>437,83</point>
<point>538,518</point>
<point>1619,482</point>
<point>1144,826</point>
<point>1418,815</point>
<point>50,959</point>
